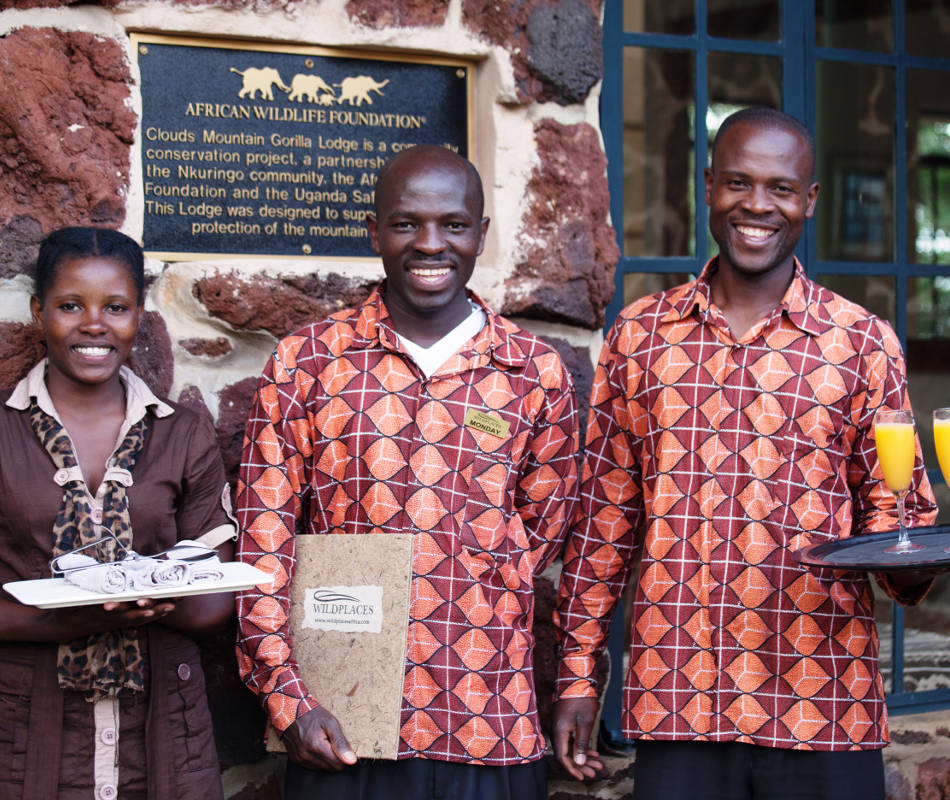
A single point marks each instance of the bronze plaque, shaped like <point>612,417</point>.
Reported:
<point>265,150</point>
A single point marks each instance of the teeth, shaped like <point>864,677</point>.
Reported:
<point>754,233</point>
<point>434,272</point>
<point>87,350</point>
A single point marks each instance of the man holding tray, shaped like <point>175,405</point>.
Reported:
<point>730,425</point>
<point>420,412</point>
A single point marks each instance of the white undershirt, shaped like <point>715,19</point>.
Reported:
<point>431,358</point>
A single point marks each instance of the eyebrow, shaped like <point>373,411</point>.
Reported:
<point>772,179</point>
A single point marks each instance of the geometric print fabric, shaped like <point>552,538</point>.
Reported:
<point>346,436</point>
<point>728,456</point>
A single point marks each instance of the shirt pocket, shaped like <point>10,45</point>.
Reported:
<point>16,684</point>
<point>189,718</point>
<point>809,484</point>
<point>491,480</point>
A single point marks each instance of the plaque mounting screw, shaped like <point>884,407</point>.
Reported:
<point>306,248</point>
<point>460,73</point>
<point>143,49</point>
<point>308,63</point>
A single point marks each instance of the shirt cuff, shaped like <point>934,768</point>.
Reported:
<point>576,677</point>
<point>284,711</point>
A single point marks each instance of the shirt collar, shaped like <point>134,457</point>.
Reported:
<point>138,397</point>
<point>801,302</point>
<point>373,327</point>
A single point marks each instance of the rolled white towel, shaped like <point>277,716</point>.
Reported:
<point>87,573</point>
<point>170,572</point>
<point>140,572</point>
<point>208,570</point>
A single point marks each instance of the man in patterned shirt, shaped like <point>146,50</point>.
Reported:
<point>731,425</point>
<point>420,412</point>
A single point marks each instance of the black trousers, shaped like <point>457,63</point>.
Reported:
<point>418,779</point>
<point>738,771</point>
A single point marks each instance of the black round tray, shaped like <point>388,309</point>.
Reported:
<point>867,552</point>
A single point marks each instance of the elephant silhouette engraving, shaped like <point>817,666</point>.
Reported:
<point>260,79</point>
<point>311,87</point>
<point>356,89</point>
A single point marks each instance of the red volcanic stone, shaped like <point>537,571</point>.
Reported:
<point>207,347</point>
<point>910,737</point>
<point>578,364</point>
<point>234,406</point>
<point>278,306</point>
<point>555,45</point>
<point>192,398</point>
<point>21,346</point>
<point>398,13</point>
<point>896,786</point>
<point>565,50</point>
<point>151,357</point>
<point>65,130</point>
<point>933,779</point>
<point>19,243</point>
<point>571,268</point>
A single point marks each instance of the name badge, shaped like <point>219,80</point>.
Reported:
<point>486,423</point>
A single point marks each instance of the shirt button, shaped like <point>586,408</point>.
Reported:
<point>107,792</point>
<point>107,735</point>
<point>61,476</point>
<point>184,672</point>
<point>96,515</point>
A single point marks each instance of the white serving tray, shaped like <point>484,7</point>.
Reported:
<point>59,593</point>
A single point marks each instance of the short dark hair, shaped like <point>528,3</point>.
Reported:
<point>767,117</point>
<point>85,242</point>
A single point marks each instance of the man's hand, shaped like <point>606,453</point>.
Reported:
<point>573,721</point>
<point>316,741</point>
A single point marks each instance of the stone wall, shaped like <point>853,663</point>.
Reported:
<point>70,135</point>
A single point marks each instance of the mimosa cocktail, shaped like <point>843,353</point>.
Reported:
<point>894,437</point>
<point>895,452</point>
<point>942,440</point>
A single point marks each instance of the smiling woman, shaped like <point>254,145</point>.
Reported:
<point>86,446</point>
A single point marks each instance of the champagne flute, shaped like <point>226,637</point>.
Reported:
<point>894,437</point>
<point>942,443</point>
<point>942,440</point>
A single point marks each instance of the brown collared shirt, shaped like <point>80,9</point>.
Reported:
<point>715,459</point>
<point>345,424</point>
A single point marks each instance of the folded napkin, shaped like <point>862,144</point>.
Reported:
<point>87,573</point>
<point>143,573</point>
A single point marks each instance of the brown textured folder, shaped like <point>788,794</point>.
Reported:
<point>345,587</point>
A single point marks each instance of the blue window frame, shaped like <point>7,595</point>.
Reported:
<point>815,42</point>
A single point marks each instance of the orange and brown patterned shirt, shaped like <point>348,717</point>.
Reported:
<point>716,459</point>
<point>345,425</point>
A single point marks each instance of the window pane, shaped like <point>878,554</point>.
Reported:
<point>855,162</point>
<point>641,284</point>
<point>928,167</point>
<point>658,197</point>
<point>737,81</point>
<point>873,292</point>
<point>928,344</point>
<point>927,25</point>
<point>670,16</point>
<point>744,19</point>
<point>867,25</point>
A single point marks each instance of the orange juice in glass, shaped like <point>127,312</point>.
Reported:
<point>942,440</point>
<point>894,437</point>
